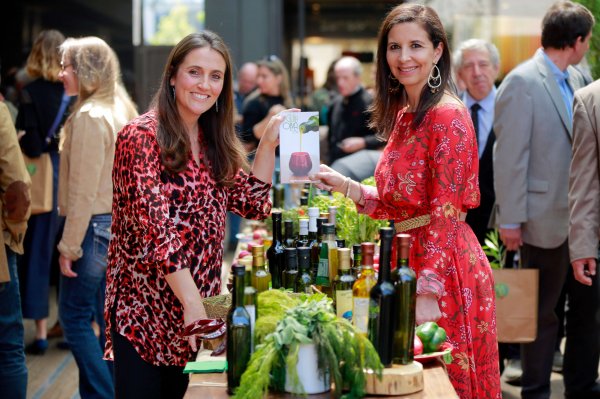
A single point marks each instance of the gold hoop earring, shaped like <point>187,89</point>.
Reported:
<point>394,84</point>
<point>434,81</point>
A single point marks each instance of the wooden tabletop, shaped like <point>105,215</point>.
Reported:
<point>435,378</point>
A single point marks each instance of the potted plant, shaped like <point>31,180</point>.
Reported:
<point>307,324</point>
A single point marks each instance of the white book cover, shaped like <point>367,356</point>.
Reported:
<point>299,146</point>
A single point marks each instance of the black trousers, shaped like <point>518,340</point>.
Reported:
<point>582,352</point>
<point>135,378</point>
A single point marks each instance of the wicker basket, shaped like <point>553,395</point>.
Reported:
<point>217,306</point>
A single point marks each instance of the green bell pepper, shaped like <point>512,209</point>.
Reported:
<point>431,335</point>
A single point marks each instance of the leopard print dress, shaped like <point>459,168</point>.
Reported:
<point>164,222</point>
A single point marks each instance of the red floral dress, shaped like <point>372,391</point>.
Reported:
<point>163,222</point>
<point>433,170</point>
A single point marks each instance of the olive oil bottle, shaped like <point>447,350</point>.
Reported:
<point>239,336</point>
<point>362,288</point>
<point>405,287</point>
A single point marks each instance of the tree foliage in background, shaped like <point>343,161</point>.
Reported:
<point>593,56</point>
<point>176,25</point>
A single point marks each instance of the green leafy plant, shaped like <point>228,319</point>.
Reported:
<point>494,249</point>
<point>342,352</point>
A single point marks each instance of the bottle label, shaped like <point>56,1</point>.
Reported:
<point>323,272</point>
<point>360,314</point>
<point>343,304</point>
<point>251,309</point>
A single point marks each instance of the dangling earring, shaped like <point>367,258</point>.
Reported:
<point>394,84</point>
<point>217,105</point>
<point>173,91</point>
<point>434,81</point>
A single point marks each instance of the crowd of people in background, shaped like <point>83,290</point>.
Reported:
<point>452,161</point>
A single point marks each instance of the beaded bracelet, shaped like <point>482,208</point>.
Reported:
<point>348,180</point>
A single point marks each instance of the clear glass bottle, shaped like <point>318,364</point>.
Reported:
<point>261,278</point>
<point>315,249</point>
<point>362,288</point>
<point>382,309</point>
<point>302,240</point>
<point>405,289</point>
<point>250,295</point>
<point>239,335</point>
<point>343,285</point>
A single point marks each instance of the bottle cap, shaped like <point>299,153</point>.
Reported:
<point>258,250</point>
<point>344,258</point>
<point>386,232</point>
<point>276,215</point>
<point>368,251</point>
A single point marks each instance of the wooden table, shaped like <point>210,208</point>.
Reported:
<point>435,378</point>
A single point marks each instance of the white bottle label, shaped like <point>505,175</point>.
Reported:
<point>343,304</point>
<point>360,314</point>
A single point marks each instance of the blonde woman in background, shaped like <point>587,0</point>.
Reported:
<point>90,70</point>
<point>271,97</point>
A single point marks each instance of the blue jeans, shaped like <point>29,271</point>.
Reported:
<point>81,299</point>
<point>13,372</point>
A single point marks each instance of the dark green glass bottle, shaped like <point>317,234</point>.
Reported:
<point>304,278</point>
<point>239,335</point>
<point>405,288</point>
<point>278,191</point>
<point>382,307</point>
<point>357,254</point>
<point>291,269</point>
<point>275,256</point>
<point>288,234</point>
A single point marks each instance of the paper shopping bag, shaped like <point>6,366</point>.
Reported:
<point>40,170</point>
<point>516,304</point>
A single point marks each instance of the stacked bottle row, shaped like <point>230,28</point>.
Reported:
<point>380,306</point>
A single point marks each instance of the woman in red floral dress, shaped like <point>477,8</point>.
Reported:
<point>177,171</point>
<point>426,182</point>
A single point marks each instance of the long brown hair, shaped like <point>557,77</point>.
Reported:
<point>44,59</point>
<point>224,149</point>
<point>386,103</point>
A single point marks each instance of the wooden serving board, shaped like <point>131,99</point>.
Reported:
<point>396,380</point>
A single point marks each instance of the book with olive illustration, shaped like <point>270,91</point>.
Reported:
<point>299,146</point>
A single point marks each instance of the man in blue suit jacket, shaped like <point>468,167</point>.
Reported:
<point>533,126</point>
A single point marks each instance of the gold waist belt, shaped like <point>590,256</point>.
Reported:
<point>419,221</point>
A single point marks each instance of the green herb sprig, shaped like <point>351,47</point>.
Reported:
<point>342,352</point>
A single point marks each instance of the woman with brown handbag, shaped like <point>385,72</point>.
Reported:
<point>42,111</point>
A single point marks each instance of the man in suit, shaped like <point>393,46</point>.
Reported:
<point>584,207</point>
<point>477,64</point>
<point>353,146</point>
<point>532,155</point>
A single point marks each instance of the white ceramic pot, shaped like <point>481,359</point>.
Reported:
<point>308,372</point>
